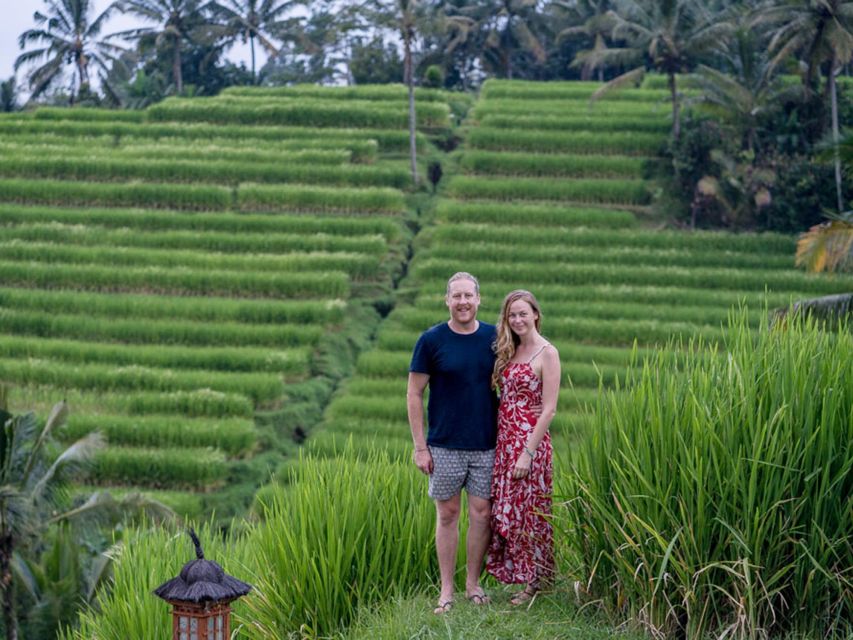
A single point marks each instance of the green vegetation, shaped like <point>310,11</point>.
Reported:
<point>761,437</point>
<point>214,312</point>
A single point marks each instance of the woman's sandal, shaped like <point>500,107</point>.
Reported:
<point>443,607</point>
<point>524,596</point>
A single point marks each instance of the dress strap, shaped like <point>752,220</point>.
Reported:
<point>541,349</point>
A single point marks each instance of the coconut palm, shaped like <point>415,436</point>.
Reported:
<point>670,34</point>
<point>744,87</point>
<point>819,31</point>
<point>500,29</point>
<point>28,484</point>
<point>65,34</point>
<point>176,22</point>
<point>251,20</point>
<point>589,19</point>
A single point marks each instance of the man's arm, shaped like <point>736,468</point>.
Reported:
<point>415,407</point>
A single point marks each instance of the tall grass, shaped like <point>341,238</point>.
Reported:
<point>145,558</point>
<point>510,215</point>
<point>112,168</point>
<point>519,89</point>
<point>245,243</point>
<point>221,222</point>
<point>209,309</point>
<point>342,535</point>
<point>356,265</point>
<point>255,197</point>
<point>592,142</point>
<point>387,139</point>
<point>149,195</point>
<point>166,332</point>
<point>586,190</point>
<point>338,536</point>
<point>191,281</point>
<point>234,110</point>
<point>389,92</point>
<point>715,495</point>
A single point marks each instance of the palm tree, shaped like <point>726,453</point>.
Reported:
<point>820,31</point>
<point>406,17</point>
<point>65,35</point>
<point>28,483</point>
<point>671,34</point>
<point>253,20</point>
<point>176,20</point>
<point>744,87</point>
<point>500,29</point>
<point>589,19</point>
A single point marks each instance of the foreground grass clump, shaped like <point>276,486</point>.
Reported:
<point>715,495</point>
<point>342,533</point>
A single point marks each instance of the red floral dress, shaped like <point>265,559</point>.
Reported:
<point>521,550</point>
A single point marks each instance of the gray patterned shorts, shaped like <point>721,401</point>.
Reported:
<point>457,468</point>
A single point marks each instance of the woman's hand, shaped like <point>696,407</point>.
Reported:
<point>522,466</point>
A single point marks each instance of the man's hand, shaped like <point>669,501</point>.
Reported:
<point>423,460</point>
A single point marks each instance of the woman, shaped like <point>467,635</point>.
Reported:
<point>527,374</point>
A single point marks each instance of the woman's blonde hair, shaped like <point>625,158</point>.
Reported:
<point>507,341</point>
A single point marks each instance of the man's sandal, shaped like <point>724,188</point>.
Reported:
<point>479,598</point>
<point>443,607</point>
<point>524,596</point>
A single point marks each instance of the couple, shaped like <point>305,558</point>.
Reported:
<point>498,450</point>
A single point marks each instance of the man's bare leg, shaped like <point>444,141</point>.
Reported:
<point>479,531</point>
<point>446,542</point>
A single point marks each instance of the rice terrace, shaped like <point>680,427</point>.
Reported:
<point>213,275</point>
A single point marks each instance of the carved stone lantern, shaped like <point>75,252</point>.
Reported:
<point>200,597</point>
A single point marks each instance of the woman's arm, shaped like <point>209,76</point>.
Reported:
<point>550,376</point>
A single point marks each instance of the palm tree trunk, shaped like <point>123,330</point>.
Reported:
<point>10,622</point>
<point>676,117</point>
<point>409,74</point>
<point>833,94</point>
<point>176,67</point>
<point>252,45</point>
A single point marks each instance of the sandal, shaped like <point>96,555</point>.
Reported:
<point>443,607</point>
<point>522,597</point>
<point>479,598</point>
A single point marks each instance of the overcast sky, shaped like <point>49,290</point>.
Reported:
<point>16,16</point>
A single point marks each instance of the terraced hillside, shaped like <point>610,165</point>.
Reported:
<point>551,196</point>
<point>195,278</point>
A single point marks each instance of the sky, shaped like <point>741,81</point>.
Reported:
<point>16,16</point>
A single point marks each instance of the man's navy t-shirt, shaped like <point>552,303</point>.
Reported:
<point>462,407</point>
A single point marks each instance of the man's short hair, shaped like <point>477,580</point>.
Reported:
<point>463,275</point>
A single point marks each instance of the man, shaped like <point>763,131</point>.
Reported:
<point>455,359</point>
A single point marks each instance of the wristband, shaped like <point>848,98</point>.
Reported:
<point>532,454</point>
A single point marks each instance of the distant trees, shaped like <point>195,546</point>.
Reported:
<point>250,20</point>
<point>177,21</point>
<point>65,34</point>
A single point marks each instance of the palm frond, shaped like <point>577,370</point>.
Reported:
<point>76,455</point>
<point>827,246</point>
<point>627,79</point>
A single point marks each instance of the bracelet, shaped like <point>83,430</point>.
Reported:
<point>532,454</point>
<point>419,450</point>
